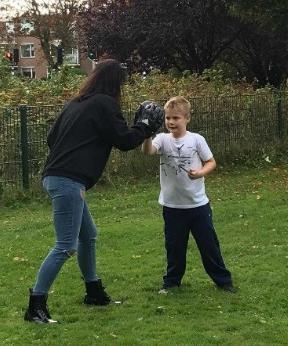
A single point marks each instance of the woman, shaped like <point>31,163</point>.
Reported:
<point>80,143</point>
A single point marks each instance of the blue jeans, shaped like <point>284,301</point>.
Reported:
<point>74,229</point>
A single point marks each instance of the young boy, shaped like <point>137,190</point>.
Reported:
<point>185,159</point>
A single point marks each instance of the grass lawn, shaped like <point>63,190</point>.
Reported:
<point>251,219</point>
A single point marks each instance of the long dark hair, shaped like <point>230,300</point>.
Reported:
<point>107,78</point>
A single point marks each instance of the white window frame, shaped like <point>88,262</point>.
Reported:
<point>31,50</point>
<point>73,53</point>
<point>31,68</point>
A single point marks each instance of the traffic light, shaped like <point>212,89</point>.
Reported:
<point>91,54</point>
<point>16,55</point>
<point>8,55</point>
<point>59,55</point>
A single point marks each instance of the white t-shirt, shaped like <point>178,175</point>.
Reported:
<point>176,156</point>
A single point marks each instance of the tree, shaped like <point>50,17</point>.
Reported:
<point>5,71</point>
<point>102,27</point>
<point>262,55</point>
<point>262,45</point>
<point>272,13</point>
<point>164,33</point>
<point>192,34</point>
<point>50,21</point>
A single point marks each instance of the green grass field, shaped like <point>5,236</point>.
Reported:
<point>251,219</point>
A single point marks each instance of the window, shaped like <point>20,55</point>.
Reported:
<point>28,72</point>
<point>10,29</point>
<point>27,50</point>
<point>71,57</point>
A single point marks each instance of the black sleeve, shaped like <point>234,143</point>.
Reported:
<point>52,135</point>
<point>115,131</point>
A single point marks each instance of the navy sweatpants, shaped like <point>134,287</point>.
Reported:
<point>178,224</point>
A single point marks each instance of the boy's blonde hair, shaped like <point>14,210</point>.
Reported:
<point>180,104</point>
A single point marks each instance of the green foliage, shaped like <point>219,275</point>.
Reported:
<point>187,34</point>
<point>161,86</point>
<point>216,76</point>
<point>76,71</point>
<point>63,84</point>
<point>250,213</point>
<point>272,13</point>
<point>5,72</point>
<point>251,36</point>
<point>57,89</point>
<point>175,72</point>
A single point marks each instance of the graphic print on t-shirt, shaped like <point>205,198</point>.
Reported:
<point>179,161</point>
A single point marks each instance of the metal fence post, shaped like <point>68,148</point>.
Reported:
<point>24,146</point>
<point>280,119</point>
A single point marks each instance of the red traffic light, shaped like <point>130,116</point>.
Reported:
<point>8,56</point>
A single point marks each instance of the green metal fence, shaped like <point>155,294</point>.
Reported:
<point>234,126</point>
<point>23,148</point>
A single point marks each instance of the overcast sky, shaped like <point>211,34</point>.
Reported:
<point>18,5</point>
<point>10,7</point>
<point>14,3</point>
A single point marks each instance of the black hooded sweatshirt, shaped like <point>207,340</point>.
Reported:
<point>83,135</point>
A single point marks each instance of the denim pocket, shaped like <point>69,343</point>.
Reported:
<point>59,184</point>
<point>82,193</point>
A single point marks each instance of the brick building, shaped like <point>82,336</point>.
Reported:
<point>29,58</point>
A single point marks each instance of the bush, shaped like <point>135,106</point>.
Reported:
<point>63,84</point>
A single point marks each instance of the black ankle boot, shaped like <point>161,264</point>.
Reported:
<point>95,294</point>
<point>37,310</point>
